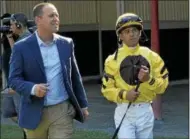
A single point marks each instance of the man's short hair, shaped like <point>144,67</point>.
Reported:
<point>38,9</point>
<point>19,18</point>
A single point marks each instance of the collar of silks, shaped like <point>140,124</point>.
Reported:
<point>131,49</point>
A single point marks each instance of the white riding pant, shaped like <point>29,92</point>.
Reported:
<point>138,122</point>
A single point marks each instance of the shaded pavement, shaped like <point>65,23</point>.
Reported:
<point>175,112</point>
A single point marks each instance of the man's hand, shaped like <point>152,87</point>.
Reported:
<point>143,75</point>
<point>85,113</point>
<point>40,90</point>
<point>10,39</point>
<point>9,35</point>
<point>132,95</point>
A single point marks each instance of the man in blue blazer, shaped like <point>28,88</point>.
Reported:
<point>43,70</point>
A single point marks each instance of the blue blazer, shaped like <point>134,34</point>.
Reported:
<point>27,69</point>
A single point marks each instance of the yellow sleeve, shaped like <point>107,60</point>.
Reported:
<point>109,89</point>
<point>158,81</point>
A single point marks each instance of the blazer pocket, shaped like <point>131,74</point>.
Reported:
<point>27,99</point>
<point>68,62</point>
<point>68,66</point>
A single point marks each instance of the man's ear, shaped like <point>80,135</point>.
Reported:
<point>120,36</point>
<point>140,33</point>
<point>36,19</point>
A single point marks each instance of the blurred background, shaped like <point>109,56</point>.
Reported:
<point>91,24</point>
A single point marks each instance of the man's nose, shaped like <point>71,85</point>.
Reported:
<point>56,19</point>
<point>131,33</point>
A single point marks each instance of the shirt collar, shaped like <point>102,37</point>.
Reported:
<point>41,43</point>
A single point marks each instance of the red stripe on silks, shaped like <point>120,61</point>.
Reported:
<point>155,45</point>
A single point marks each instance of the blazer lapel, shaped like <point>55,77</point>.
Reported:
<point>36,50</point>
<point>62,55</point>
<point>63,50</point>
